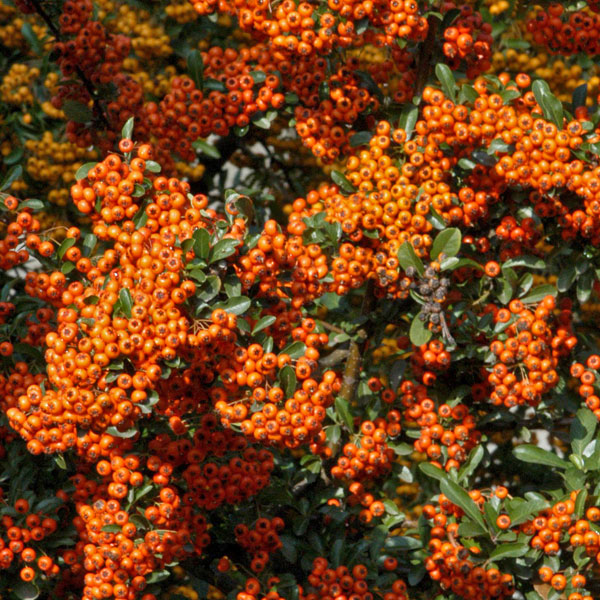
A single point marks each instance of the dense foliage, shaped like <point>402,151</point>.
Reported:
<point>298,300</point>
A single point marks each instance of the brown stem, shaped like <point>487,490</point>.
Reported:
<point>91,90</point>
<point>356,350</point>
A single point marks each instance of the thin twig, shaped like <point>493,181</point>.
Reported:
<point>91,90</point>
<point>356,350</point>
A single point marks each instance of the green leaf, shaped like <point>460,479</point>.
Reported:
<point>129,433</point>
<point>579,96</point>
<point>583,428</point>
<point>288,548</point>
<point>447,242</point>
<point>343,410</point>
<point>263,323</point>
<point>126,302</point>
<point>153,166</point>
<point>32,203</point>
<point>287,377</point>
<point>66,244</point>
<point>407,257</point>
<point>580,503</point>
<point>475,457</point>
<point>360,139</point>
<point>513,550</point>
<point>520,510</point>
<point>432,471</point>
<point>13,174</point>
<point>32,39</point>
<point>533,454</point>
<point>89,243</point>
<point>539,293</point>
<point>127,130</point>
<point>77,111</point>
<point>342,182</point>
<point>470,529</point>
<point>446,78</point>
<point>235,306</point>
<point>202,243</point>
<point>550,105</point>
<point>25,590</point>
<point>210,287</point>
<point>584,286</point>
<point>419,334</point>
<point>83,170</point>
<point>294,350</point>
<point>222,249</point>
<point>458,496</point>
<point>566,278</point>
<point>408,119</point>
<point>533,262</point>
<point>206,149</point>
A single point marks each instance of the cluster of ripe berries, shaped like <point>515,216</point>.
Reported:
<point>313,31</point>
<point>447,434</point>
<point>20,536</point>
<point>21,222</point>
<point>455,566</point>
<point>565,33</point>
<point>469,39</point>
<point>325,581</point>
<point>260,541</point>
<point>534,340</point>
<point>587,378</point>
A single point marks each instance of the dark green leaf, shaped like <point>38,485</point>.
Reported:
<point>263,323</point>
<point>202,243</point>
<point>419,334</point>
<point>446,78</point>
<point>533,262</point>
<point>447,242</point>
<point>475,457</point>
<point>432,471</point>
<point>360,139</point>
<point>342,182</point>
<point>533,454</point>
<point>126,302</point>
<point>343,410</point>
<point>566,277</point>
<point>584,286</point>
<point>222,249</point>
<point>513,550</point>
<point>152,166</point>
<point>295,350</point>
<point>539,293</point>
<point>408,119</point>
<point>461,498</point>
<point>207,149</point>
<point>127,130</point>
<point>235,306</point>
<point>579,96</point>
<point>32,203</point>
<point>66,244</point>
<point>32,39</point>
<point>407,257</point>
<point>77,111</point>
<point>582,430</point>
<point>83,170</point>
<point>287,377</point>
<point>25,590</point>
<point>550,105</point>
<point>13,174</point>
